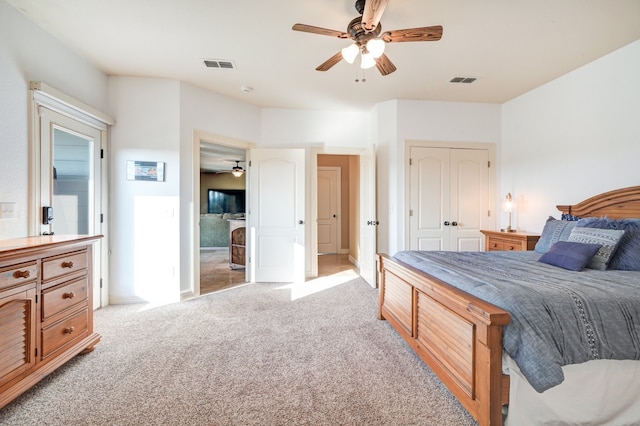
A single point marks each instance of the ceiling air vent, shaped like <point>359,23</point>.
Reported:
<point>219,63</point>
<point>462,80</point>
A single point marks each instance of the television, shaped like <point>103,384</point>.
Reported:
<point>226,201</point>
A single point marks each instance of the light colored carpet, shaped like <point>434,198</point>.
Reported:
<point>249,355</point>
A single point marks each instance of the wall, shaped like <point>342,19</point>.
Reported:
<point>28,53</point>
<point>145,216</point>
<point>573,138</point>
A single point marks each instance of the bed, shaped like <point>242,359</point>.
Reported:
<point>455,312</point>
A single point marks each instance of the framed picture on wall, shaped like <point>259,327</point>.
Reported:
<point>152,171</point>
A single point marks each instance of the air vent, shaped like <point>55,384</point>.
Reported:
<point>462,80</point>
<point>219,63</point>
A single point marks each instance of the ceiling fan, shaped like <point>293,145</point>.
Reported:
<point>236,170</point>
<point>368,38</point>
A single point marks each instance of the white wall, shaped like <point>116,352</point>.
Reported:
<point>28,53</point>
<point>145,216</point>
<point>573,138</point>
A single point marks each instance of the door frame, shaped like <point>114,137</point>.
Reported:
<point>194,254</point>
<point>41,94</point>
<point>490,147</point>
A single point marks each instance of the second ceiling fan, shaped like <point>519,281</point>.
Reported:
<point>368,38</point>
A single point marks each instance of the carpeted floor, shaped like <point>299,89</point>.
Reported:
<point>256,354</point>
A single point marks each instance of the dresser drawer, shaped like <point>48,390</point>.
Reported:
<point>64,332</point>
<point>64,264</point>
<point>57,299</point>
<point>508,245</point>
<point>18,274</point>
<point>494,245</point>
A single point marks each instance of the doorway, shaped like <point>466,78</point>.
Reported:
<point>68,175</point>
<point>221,196</point>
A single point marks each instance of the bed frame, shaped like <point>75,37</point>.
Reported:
<point>459,336</point>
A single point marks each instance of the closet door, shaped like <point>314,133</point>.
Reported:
<point>449,198</point>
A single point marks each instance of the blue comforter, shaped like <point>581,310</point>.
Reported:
<point>558,317</point>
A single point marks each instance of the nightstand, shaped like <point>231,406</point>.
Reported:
<point>509,241</point>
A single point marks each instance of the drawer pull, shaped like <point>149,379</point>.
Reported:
<point>21,274</point>
<point>69,330</point>
<point>69,295</point>
<point>67,264</point>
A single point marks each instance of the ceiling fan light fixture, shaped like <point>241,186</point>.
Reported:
<point>237,171</point>
<point>368,61</point>
<point>349,53</point>
<point>375,46</point>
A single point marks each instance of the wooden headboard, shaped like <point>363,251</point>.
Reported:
<point>621,203</point>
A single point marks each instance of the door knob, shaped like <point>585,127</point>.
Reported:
<point>454,223</point>
<point>300,222</point>
<point>446,223</point>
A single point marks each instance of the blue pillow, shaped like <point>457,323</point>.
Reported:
<point>569,255</point>
<point>554,230</point>
<point>627,256</point>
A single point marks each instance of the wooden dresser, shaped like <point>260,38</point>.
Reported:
<point>237,243</point>
<point>508,241</point>
<point>46,307</point>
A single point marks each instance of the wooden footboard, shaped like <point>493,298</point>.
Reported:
<point>457,335</point>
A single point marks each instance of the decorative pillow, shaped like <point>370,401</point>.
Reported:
<point>554,230</point>
<point>627,256</point>
<point>568,216</point>
<point>607,238</point>
<point>569,255</point>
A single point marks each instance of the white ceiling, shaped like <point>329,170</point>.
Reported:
<point>510,46</point>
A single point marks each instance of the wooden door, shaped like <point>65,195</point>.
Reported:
<point>328,209</point>
<point>277,215</point>
<point>448,198</point>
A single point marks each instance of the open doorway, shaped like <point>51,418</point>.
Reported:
<point>222,212</point>
<point>338,198</point>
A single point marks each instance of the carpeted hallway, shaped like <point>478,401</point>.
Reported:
<point>311,353</point>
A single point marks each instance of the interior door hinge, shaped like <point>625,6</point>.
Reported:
<point>36,298</point>
<point>101,154</point>
<point>489,164</point>
<point>410,212</point>
<point>410,162</point>
<point>100,282</point>
<point>101,218</point>
<point>489,213</point>
<point>36,351</point>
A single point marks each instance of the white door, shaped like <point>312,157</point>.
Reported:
<point>429,198</point>
<point>277,215</point>
<point>70,182</point>
<point>368,217</point>
<point>449,198</point>
<point>328,208</point>
<point>469,201</point>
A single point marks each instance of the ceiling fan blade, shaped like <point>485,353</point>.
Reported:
<point>414,34</point>
<point>372,13</point>
<point>326,65</point>
<point>317,30</point>
<point>384,65</point>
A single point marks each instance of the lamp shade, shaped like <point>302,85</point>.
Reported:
<point>375,46</point>
<point>368,61</point>
<point>349,53</point>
